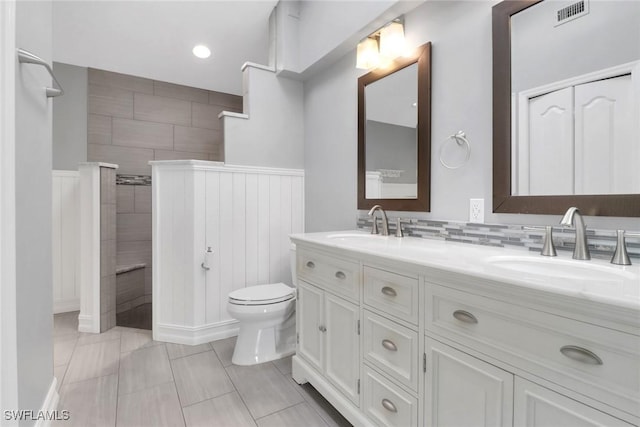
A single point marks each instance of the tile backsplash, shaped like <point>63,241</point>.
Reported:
<point>602,243</point>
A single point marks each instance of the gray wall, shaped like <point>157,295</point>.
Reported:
<point>34,287</point>
<point>461,100</point>
<point>70,118</point>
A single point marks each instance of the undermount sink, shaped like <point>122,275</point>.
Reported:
<point>354,236</point>
<point>559,268</point>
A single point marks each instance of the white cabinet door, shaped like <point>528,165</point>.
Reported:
<point>464,391</point>
<point>309,313</point>
<point>342,345</point>
<point>536,406</point>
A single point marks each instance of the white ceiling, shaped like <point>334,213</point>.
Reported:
<point>154,39</point>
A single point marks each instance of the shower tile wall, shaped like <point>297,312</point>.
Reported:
<point>133,120</point>
<point>107,249</point>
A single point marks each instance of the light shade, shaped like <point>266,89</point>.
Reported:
<point>367,54</point>
<point>201,51</point>
<point>392,42</point>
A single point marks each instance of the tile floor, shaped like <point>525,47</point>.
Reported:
<point>124,378</point>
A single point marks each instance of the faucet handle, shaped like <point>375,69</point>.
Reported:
<point>399,232</point>
<point>374,226</point>
<point>548,248</point>
<point>621,256</point>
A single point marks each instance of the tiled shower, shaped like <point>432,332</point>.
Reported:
<point>133,120</point>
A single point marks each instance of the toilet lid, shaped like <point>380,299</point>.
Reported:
<point>262,294</point>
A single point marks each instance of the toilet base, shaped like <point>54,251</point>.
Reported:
<point>256,345</point>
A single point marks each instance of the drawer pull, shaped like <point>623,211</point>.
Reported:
<point>580,354</point>
<point>340,275</point>
<point>389,406</point>
<point>310,264</point>
<point>389,345</point>
<point>389,291</point>
<point>321,328</point>
<point>465,316</point>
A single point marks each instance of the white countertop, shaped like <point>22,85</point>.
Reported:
<point>594,280</point>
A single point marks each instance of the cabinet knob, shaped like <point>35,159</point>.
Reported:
<point>581,355</point>
<point>389,291</point>
<point>465,316</point>
<point>389,345</point>
<point>389,406</point>
<point>340,275</point>
<point>321,328</point>
<point>310,264</point>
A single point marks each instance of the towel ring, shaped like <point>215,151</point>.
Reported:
<point>460,138</point>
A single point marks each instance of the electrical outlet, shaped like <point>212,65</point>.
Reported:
<point>476,210</point>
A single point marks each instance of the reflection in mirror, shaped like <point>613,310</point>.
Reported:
<point>394,129</point>
<point>391,133</point>
<point>574,122</point>
<point>566,107</point>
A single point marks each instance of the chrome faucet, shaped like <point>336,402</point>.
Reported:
<point>573,217</point>
<point>385,221</point>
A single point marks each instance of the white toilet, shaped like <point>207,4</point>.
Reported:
<point>266,314</point>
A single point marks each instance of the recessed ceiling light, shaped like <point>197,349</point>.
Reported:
<point>201,51</point>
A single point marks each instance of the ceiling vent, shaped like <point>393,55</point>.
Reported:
<point>571,12</point>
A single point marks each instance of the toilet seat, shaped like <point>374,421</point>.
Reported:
<point>262,294</point>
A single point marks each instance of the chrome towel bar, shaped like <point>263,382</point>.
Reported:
<point>26,57</point>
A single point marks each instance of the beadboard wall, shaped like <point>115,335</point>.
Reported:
<point>244,214</point>
<point>66,241</point>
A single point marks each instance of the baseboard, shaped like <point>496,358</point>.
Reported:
<point>302,372</point>
<point>194,335</point>
<point>85,324</point>
<point>49,405</point>
<point>66,305</point>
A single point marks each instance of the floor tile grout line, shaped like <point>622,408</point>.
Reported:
<point>175,386</point>
<point>192,354</point>
<point>209,398</point>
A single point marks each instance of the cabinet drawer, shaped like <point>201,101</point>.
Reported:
<point>387,404</point>
<point>334,274</point>
<point>598,362</point>
<point>392,293</point>
<point>391,347</point>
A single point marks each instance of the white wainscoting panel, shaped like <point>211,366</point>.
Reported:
<point>244,214</point>
<point>66,241</point>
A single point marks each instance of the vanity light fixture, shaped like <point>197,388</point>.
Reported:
<point>382,46</point>
<point>201,51</point>
<point>368,56</point>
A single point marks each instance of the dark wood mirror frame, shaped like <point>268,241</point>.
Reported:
<point>422,57</point>
<point>623,205</point>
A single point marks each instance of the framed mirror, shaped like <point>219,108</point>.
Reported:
<point>394,134</point>
<point>566,107</point>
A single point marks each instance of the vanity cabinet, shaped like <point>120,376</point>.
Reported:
<point>435,347</point>
<point>328,319</point>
